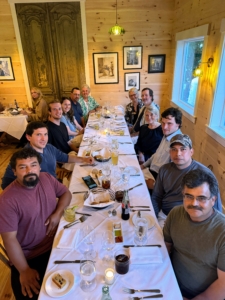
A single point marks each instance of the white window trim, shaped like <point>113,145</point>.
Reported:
<point>214,130</point>
<point>191,35</point>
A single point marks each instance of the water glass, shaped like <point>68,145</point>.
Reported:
<point>88,274</point>
<point>108,243</point>
<point>125,177</point>
<point>141,230</point>
<point>88,235</point>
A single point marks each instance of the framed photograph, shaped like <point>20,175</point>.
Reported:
<point>131,80</point>
<point>132,57</point>
<point>6,69</point>
<point>156,63</point>
<point>106,67</point>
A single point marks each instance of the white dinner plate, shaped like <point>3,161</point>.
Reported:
<point>53,290</point>
<point>133,170</point>
<point>149,218</point>
<point>87,201</point>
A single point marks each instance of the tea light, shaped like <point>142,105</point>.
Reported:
<point>109,276</point>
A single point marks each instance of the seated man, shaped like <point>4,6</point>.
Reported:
<point>77,110</point>
<point>29,216</point>
<point>171,123</point>
<point>57,131</point>
<point>167,192</point>
<point>133,108</point>
<point>194,234</point>
<point>37,135</point>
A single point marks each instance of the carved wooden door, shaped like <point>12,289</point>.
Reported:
<point>51,35</point>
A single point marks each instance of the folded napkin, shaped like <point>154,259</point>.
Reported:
<point>147,174</point>
<point>100,199</point>
<point>68,238</point>
<point>145,255</point>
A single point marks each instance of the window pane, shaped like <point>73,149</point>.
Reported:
<point>192,58</point>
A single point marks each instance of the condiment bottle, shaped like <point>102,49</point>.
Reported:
<point>105,293</point>
<point>16,104</point>
<point>125,206</point>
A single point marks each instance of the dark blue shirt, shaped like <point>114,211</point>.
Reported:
<point>77,111</point>
<point>50,156</point>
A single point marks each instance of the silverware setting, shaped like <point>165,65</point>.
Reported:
<point>144,206</point>
<point>145,297</point>
<point>84,214</point>
<point>134,186</point>
<point>125,143</point>
<point>130,154</point>
<point>141,209</point>
<point>77,261</point>
<point>89,165</point>
<point>132,291</point>
<point>128,246</point>
<point>81,220</point>
<point>136,175</point>
<point>81,192</point>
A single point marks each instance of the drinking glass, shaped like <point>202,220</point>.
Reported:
<point>108,243</point>
<point>106,170</point>
<point>115,144</point>
<point>126,177</point>
<point>141,229</point>
<point>115,157</point>
<point>88,274</point>
<point>88,235</point>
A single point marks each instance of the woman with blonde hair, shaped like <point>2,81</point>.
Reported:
<point>150,134</point>
<point>39,112</point>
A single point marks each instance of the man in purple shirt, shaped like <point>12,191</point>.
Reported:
<point>29,216</point>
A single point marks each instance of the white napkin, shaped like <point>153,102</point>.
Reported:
<point>68,238</point>
<point>147,174</point>
<point>145,255</point>
<point>105,153</point>
<point>98,198</point>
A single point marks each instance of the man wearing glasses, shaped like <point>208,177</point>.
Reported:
<point>167,192</point>
<point>77,110</point>
<point>194,234</point>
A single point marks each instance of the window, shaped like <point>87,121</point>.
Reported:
<point>189,52</point>
<point>216,127</point>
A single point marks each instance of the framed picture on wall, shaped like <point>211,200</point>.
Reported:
<point>132,57</point>
<point>106,67</point>
<point>6,69</point>
<point>156,63</point>
<point>131,80</point>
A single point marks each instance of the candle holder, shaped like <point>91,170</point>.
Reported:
<point>109,276</point>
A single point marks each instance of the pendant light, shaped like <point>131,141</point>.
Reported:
<point>116,29</point>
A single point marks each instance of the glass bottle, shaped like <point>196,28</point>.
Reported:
<point>16,104</point>
<point>125,206</point>
<point>105,293</point>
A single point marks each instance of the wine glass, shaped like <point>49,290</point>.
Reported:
<point>88,235</point>
<point>126,177</point>
<point>141,229</point>
<point>88,274</point>
<point>108,243</point>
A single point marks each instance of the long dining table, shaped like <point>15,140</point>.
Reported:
<point>68,243</point>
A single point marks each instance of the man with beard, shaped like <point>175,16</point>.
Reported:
<point>195,237</point>
<point>77,110</point>
<point>29,216</point>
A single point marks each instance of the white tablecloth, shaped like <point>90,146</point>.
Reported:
<point>13,125</point>
<point>151,276</point>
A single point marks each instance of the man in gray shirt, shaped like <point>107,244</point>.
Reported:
<point>194,234</point>
<point>167,191</point>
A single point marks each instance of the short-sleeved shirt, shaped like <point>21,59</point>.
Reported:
<point>64,119</point>
<point>198,249</point>
<point>58,136</point>
<point>91,104</point>
<point>77,111</point>
<point>130,114</point>
<point>26,210</point>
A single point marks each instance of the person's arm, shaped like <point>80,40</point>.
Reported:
<point>28,277</point>
<point>216,290</point>
<point>158,193</point>
<point>81,130</point>
<point>83,122</point>
<point>169,247</point>
<point>8,177</point>
<point>79,159</point>
<point>147,163</point>
<point>70,132</point>
<point>53,220</point>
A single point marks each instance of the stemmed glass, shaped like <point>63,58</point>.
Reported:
<point>125,177</point>
<point>108,243</point>
<point>88,274</point>
<point>141,229</point>
<point>88,235</point>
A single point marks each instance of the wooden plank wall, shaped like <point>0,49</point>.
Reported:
<point>189,14</point>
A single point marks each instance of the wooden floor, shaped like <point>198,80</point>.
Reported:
<point>5,290</point>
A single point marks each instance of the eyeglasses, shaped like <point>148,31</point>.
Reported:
<point>132,95</point>
<point>201,199</point>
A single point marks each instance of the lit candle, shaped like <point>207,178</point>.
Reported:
<point>109,276</point>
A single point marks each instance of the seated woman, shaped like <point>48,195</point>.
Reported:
<point>133,108</point>
<point>150,135</point>
<point>39,112</point>
<point>88,103</point>
<point>75,131</point>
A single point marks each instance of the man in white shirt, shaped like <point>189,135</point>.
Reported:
<point>171,123</point>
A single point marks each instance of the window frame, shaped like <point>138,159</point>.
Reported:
<point>194,34</point>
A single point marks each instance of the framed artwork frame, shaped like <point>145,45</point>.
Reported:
<point>156,63</point>
<point>132,57</point>
<point>131,80</point>
<point>6,69</point>
<point>106,67</point>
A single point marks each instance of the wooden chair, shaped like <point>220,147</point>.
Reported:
<point>63,173</point>
<point>4,257</point>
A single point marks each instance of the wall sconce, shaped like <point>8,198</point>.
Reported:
<point>198,71</point>
<point>116,29</point>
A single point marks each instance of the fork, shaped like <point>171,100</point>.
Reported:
<point>132,291</point>
<point>89,165</point>
<point>152,296</point>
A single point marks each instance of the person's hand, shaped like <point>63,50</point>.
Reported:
<point>29,282</point>
<point>131,129</point>
<point>81,131</point>
<point>91,111</point>
<point>150,183</point>
<point>52,223</point>
<point>142,167</point>
<point>98,108</point>
<point>88,160</point>
<point>23,112</point>
<point>141,158</point>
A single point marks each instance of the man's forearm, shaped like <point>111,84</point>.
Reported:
<point>216,291</point>
<point>63,202</point>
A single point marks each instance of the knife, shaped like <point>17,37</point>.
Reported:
<point>134,186</point>
<point>133,206</point>
<point>79,192</point>
<point>77,261</point>
<point>136,175</point>
<point>79,213</point>
<point>127,246</point>
<point>143,209</point>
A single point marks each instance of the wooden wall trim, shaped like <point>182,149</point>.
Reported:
<point>192,33</point>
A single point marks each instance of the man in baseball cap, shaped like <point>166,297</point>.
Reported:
<point>167,192</point>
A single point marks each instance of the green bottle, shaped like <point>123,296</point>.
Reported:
<point>105,293</point>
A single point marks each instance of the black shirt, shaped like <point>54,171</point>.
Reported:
<point>58,136</point>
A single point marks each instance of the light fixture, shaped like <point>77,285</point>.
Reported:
<point>198,71</point>
<point>116,29</point>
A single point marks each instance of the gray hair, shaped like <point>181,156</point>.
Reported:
<point>86,86</point>
<point>152,109</point>
<point>133,90</point>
